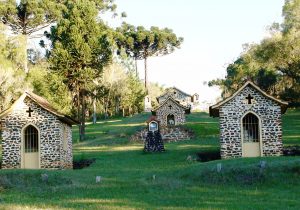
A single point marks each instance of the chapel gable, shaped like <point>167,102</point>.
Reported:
<point>171,112</point>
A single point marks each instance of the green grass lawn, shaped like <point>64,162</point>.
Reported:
<point>132,179</point>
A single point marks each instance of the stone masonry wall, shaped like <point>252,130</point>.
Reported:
<point>169,134</point>
<point>66,148</point>
<point>230,123</point>
<point>50,133</point>
<point>165,110</point>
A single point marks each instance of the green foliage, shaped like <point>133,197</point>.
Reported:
<point>81,48</point>
<point>50,86</point>
<point>140,43</point>
<point>12,79</point>
<point>120,89</point>
<point>291,14</point>
<point>155,90</point>
<point>28,16</point>
<point>273,63</point>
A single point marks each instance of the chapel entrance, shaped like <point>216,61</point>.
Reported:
<point>30,148</point>
<point>170,120</point>
<point>251,136</point>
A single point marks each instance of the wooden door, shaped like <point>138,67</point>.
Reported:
<point>251,136</point>
<point>31,148</point>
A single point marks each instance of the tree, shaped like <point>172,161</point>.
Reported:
<point>140,43</point>
<point>114,81</point>
<point>119,88</point>
<point>274,63</point>
<point>132,97</point>
<point>50,85</point>
<point>81,48</point>
<point>26,17</point>
<point>291,14</point>
<point>12,78</point>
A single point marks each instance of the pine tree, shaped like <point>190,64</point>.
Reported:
<point>26,17</point>
<point>141,44</point>
<point>81,48</point>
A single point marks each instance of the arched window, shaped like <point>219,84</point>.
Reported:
<point>170,120</point>
<point>31,138</point>
<point>250,128</point>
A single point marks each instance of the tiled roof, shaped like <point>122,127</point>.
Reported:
<point>42,102</point>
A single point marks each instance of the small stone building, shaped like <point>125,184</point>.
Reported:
<point>35,135</point>
<point>170,112</point>
<point>180,96</point>
<point>250,123</point>
<point>195,105</point>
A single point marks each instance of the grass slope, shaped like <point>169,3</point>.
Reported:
<point>132,179</point>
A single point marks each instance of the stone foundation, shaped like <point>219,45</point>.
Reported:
<point>169,134</point>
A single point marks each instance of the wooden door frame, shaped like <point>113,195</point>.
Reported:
<point>259,130</point>
<point>23,145</point>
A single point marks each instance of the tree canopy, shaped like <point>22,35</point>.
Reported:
<point>81,48</point>
<point>274,63</point>
<point>140,43</point>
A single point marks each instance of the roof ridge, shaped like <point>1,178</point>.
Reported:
<point>43,103</point>
<point>171,98</point>
<point>283,104</point>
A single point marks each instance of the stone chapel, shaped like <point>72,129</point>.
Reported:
<point>250,123</point>
<point>170,112</point>
<point>35,135</point>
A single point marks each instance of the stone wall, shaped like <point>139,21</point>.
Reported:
<point>165,110</point>
<point>66,154</point>
<point>50,134</point>
<point>230,123</point>
<point>169,134</point>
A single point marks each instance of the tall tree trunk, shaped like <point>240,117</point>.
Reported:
<point>118,102</point>
<point>95,111</point>
<point>136,68</point>
<point>78,108</point>
<point>106,109</point>
<point>146,74</point>
<point>82,120</point>
<point>25,39</point>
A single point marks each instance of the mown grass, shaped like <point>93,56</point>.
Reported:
<point>291,127</point>
<point>132,179</point>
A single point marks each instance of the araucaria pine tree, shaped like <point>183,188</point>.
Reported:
<point>81,48</point>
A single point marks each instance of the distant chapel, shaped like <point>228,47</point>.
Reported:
<point>174,104</point>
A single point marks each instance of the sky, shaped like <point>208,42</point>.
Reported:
<point>214,32</point>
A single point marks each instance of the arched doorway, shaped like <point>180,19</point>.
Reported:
<point>30,148</point>
<point>251,135</point>
<point>170,120</point>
